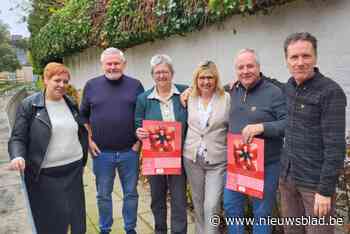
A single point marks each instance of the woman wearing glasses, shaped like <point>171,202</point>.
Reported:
<point>162,102</point>
<point>205,145</point>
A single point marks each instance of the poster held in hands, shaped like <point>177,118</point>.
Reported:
<point>161,151</point>
<point>245,165</point>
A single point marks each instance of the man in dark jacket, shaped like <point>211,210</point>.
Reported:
<point>257,110</point>
<point>314,137</point>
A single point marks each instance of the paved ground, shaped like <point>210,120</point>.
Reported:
<point>13,211</point>
<point>14,216</point>
<point>4,129</point>
<point>144,220</point>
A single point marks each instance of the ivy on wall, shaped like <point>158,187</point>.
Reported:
<point>67,31</point>
<point>126,23</point>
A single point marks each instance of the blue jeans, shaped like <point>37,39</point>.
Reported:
<point>234,202</point>
<point>104,166</point>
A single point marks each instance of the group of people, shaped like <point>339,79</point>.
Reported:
<point>302,123</point>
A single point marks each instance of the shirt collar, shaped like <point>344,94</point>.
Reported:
<point>114,81</point>
<point>254,86</point>
<point>309,81</point>
<point>39,100</point>
<point>154,94</point>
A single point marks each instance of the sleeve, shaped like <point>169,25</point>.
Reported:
<point>17,145</point>
<point>276,82</point>
<point>333,135</point>
<point>228,106</point>
<point>183,88</point>
<point>139,111</point>
<point>85,105</point>
<point>227,88</point>
<point>140,89</point>
<point>279,110</point>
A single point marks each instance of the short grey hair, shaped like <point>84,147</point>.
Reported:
<point>112,50</point>
<point>161,59</point>
<point>249,50</point>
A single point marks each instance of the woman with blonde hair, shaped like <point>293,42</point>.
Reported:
<point>205,145</point>
<point>49,143</point>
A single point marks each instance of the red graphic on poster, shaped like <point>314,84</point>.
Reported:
<point>161,151</point>
<point>162,138</point>
<point>246,155</point>
<point>245,165</point>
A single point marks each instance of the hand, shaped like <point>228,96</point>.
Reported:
<point>184,96</point>
<point>17,164</point>
<point>94,150</point>
<point>136,146</point>
<point>142,133</point>
<point>322,205</point>
<point>233,83</point>
<point>250,131</point>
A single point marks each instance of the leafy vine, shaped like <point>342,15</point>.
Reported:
<point>126,23</point>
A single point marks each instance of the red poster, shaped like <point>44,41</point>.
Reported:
<point>245,166</point>
<point>161,151</point>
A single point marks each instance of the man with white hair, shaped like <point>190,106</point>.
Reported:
<point>107,108</point>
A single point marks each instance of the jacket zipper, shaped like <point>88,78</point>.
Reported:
<point>295,106</point>
<point>41,165</point>
<point>244,98</point>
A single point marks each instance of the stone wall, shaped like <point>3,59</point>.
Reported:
<point>15,213</point>
<point>326,19</point>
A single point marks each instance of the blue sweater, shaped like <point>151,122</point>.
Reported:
<point>109,106</point>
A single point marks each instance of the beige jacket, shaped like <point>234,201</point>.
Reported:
<point>214,135</point>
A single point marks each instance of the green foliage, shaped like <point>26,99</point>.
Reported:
<point>39,84</point>
<point>66,32</point>
<point>12,85</point>
<point>8,58</point>
<point>4,33</point>
<point>6,85</point>
<point>126,23</point>
<point>343,188</point>
<point>22,43</point>
<point>40,13</point>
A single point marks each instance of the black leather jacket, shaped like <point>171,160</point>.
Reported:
<point>32,132</point>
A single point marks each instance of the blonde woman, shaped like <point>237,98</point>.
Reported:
<point>205,145</point>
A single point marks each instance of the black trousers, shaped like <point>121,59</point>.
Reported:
<point>178,201</point>
<point>57,199</point>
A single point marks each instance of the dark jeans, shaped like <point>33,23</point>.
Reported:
<point>159,189</point>
<point>104,166</point>
<point>298,202</point>
<point>262,208</point>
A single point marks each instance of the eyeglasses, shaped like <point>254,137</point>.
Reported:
<point>206,63</point>
<point>158,73</point>
<point>209,78</point>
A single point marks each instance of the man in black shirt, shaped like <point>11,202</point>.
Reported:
<point>314,137</point>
